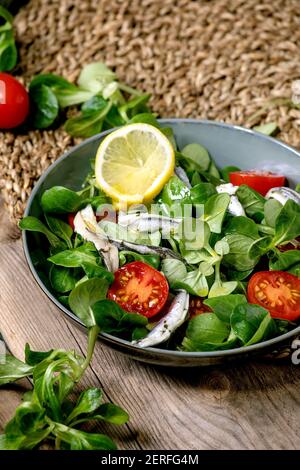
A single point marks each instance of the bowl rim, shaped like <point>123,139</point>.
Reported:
<point>114,339</point>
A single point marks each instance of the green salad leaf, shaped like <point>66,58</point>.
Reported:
<point>33,358</point>
<point>88,123</point>
<point>201,192</point>
<point>270,128</point>
<point>88,401</point>
<point>76,257</point>
<point>195,157</point>
<point>146,118</point>
<point>260,247</point>
<point>60,228</point>
<point>32,224</point>
<point>126,256</point>
<point>66,93</point>
<point>12,369</point>
<point>272,209</point>
<point>8,50</point>
<point>110,413</point>
<point>287,225</point>
<point>224,305</point>
<point>238,257</point>
<point>134,106</point>
<point>206,332</point>
<point>252,202</point>
<point>95,77</point>
<point>84,296</point>
<point>62,279</point>
<point>178,277</point>
<point>60,200</point>
<point>175,193</point>
<point>111,318</point>
<point>45,106</point>
<point>81,440</point>
<point>243,226</point>
<point>285,261</point>
<point>251,323</point>
<point>213,170</point>
<point>214,211</point>
<point>234,322</point>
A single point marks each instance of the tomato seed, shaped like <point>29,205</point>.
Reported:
<point>260,295</point>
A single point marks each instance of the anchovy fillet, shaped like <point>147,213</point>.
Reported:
<point>235,207</point>
<point>146,249</point>
<point>144,222</point>
<point>283,194</point>
<point>169,323</point>
<point>181,174</point>
<point>85,224</point>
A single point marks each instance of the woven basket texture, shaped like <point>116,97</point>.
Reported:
<point>218,59</point>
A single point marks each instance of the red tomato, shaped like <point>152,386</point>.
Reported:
<point>139,288</point>
<point>278,292</point>
<point>71,218</point>
<point>261,181</point>
<point>14,102</point>
<point>197,306</point>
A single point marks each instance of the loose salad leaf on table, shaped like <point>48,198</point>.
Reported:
<point>47,413</point>
<point>8,50</point>
<point>104,101</point>
<point>186,236</point>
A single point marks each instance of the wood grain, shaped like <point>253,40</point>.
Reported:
<point>245,406</point>
<point>8,230</point>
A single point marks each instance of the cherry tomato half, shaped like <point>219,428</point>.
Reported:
<point>14,102</point>
<point>197,306</point>
<point>261,181</point>
<point>278,292</point>
<point>71,218</point>
<point>139,288</point>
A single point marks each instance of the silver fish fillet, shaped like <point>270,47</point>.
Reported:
<point>235,207</point>
<point>149,223</point>
<point>169,323</point>
<point>146,249</point>
<point>85,224</point>
<point>181,174</point>
<point>283,194</point>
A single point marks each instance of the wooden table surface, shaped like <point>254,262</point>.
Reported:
<point>250,405</point>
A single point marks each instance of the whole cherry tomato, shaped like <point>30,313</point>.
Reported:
<point>14,102</point>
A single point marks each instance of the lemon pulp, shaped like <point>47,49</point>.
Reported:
<point>133,163</point>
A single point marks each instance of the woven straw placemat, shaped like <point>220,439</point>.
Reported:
<point>218,59</point>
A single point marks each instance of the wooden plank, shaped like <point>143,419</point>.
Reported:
<point>242,406</point>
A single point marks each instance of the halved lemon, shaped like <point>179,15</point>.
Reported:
<point>133,163</point>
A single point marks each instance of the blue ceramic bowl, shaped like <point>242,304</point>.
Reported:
<point>228,145</point>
